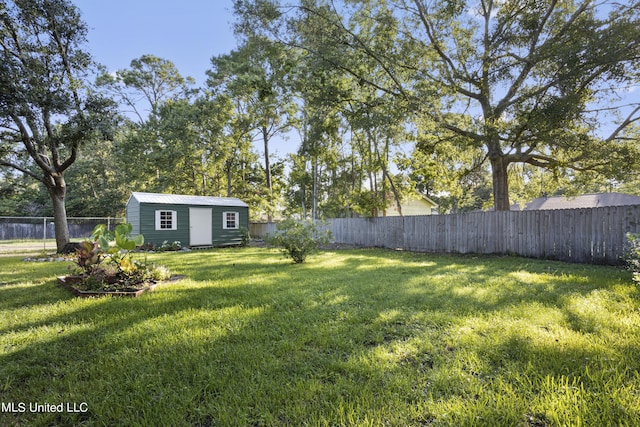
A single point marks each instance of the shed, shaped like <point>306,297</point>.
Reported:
<point>191,220</point>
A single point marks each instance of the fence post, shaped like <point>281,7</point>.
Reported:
<point>44,233</point>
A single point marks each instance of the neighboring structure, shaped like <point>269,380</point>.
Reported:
<point>420,205</point>
<point>191,220</point>
<point>585,201</point>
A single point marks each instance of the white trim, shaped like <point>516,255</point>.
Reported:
<point>236,220</point>
<point>160,220</point>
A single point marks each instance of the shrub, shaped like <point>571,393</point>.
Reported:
<point>298,238</point>
<point>632,255</point>
<point>166,246</point>
<point>245,237</point>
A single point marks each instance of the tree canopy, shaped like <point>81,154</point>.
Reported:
<point>47,112</point>
<point>528,82</point>
<point>476,104</point>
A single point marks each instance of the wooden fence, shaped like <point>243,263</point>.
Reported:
<point>26,228</point>
<point>576,235</point>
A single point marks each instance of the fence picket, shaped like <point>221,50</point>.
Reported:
<point>578,235</point>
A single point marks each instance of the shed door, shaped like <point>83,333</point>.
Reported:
<point>200,230</point>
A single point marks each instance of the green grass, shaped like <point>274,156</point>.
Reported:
<point>27,247</point>
<point>350,338</point>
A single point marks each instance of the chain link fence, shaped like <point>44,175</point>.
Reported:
<point>39,232</point>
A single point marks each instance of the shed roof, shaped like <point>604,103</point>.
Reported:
<point>180,199</point>
<point>598,200</point>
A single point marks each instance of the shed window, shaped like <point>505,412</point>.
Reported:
<point>230,220</point>
<point>166,220</point>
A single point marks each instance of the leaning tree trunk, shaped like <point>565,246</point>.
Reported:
<point>500,179</point>
<point>57,191</point>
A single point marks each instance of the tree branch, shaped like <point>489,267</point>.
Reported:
<point>21,169</point>
<point>26,140</point>
<point>630,119</point>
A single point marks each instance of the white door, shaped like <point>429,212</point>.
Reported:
<point>200,230</point>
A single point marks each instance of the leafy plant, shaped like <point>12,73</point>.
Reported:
<point>245,237</point>
<point>298,238</point>
<point>174,246</point>
<point>160,272</point>
<point>632,255</point>
<point>107,259</point>
<point>88,255</point>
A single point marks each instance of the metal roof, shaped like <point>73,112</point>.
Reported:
<point>584,201</point>
<point>181,199</point>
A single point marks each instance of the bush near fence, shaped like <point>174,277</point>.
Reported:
<point>595,235</point>
<point>28,228</point>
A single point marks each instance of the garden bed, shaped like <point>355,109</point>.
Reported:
<point>71,282</point>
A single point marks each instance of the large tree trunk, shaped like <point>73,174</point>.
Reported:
<point>500,178</point>
<point>57,191</point>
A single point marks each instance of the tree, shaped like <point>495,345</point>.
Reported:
<point>145,85</point>
<point>97,185</point>
<point>142,92</point>
<point>538,81</point>
<point>253,76</point>
<point>47,111</point>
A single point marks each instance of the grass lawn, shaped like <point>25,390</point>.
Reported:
<point>27,246</point>
<point>350,338</point>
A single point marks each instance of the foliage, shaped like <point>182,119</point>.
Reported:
<point>89,255</point>
<point>298,238</point>
<point>107,260</point>
<point>540,83</point>
<point>245,237</point>
<point>173,246</point>
<point>47,111</point>
<point>153,79</point>
<point>98,183</point>
<point>358,337</point>
<point>254,78</point>
<point>632,255</point>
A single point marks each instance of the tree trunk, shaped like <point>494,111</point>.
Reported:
<point>229,180</point>
<point>57,191</point>
<point>314,206</point>
<point>386,175</point>
<point>500,179</point>
<point>267,171</point>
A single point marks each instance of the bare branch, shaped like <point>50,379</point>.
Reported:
<point>629,120</point>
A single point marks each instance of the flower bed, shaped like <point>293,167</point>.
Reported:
<point>75,284</point>
<point>105,265</point>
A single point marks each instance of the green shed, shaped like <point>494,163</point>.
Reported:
<point>191,220</point>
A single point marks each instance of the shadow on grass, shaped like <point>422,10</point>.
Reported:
<point>255,340</point>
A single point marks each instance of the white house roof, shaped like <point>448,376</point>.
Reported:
<point>585,201</point>
<point>180,199</point>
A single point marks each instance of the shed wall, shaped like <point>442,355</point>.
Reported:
<point>148,224</point>
<point>133,215</point>
<point>221,236</point>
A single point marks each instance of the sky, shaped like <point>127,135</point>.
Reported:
<point>186,32</point>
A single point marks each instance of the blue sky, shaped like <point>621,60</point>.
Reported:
<point>186,32</point>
